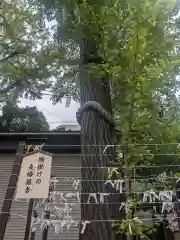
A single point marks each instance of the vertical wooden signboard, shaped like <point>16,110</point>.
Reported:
<point>34,176</point>
<point>34,180</point>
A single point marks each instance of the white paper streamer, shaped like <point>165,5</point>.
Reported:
<point>122,206</point>
<point>84,223</point>
<point>102,195</point>
<point>118,184</point>
<point>59,216</point>
<point>166,195</point>
<point>92,195</point>
<point>167,206</point>
<point>76,183</point>
<point>178,180</point>
<point>150,196</point>
<point>110,182</point>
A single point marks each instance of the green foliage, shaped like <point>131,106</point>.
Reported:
<point>145,85</point>
<point>29,57</point>
<point>132,225</point>
<point>138,42</point>
<point>15,119</point>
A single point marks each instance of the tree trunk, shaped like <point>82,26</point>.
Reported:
<point>96,133</point>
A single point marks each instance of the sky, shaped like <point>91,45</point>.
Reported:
<point>55,114</point>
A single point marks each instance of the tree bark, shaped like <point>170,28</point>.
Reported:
<point>96,133</point>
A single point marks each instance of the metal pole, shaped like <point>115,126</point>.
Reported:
<point>28,222</point>
<point>11,189</point>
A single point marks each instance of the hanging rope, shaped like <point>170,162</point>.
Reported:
<point>95,106</point>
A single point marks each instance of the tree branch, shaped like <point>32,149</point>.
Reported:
<point>70,62</point>
<point>9,56</point>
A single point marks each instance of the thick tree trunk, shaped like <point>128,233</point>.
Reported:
<point>96,133</point>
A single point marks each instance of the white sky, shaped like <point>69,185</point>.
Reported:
<point>55,114</point>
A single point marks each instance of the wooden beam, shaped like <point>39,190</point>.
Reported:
<point>45,234</point>
<point>6,207</point>
<point>33,234</point>
<point>28,221</point>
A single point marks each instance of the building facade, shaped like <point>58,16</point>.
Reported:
<point>66,149</point>
<point>66,164</point>
<point>68,126</point>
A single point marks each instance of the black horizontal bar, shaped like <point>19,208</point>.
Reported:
<point>52,141</point>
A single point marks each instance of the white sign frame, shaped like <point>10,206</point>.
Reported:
<point>34,177</point>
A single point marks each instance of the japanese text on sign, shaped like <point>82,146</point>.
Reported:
<point>34,176</point>
<point>30,173</point>
<point>40,167</point>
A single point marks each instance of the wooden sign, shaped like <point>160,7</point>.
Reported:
<point>34,176</point>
